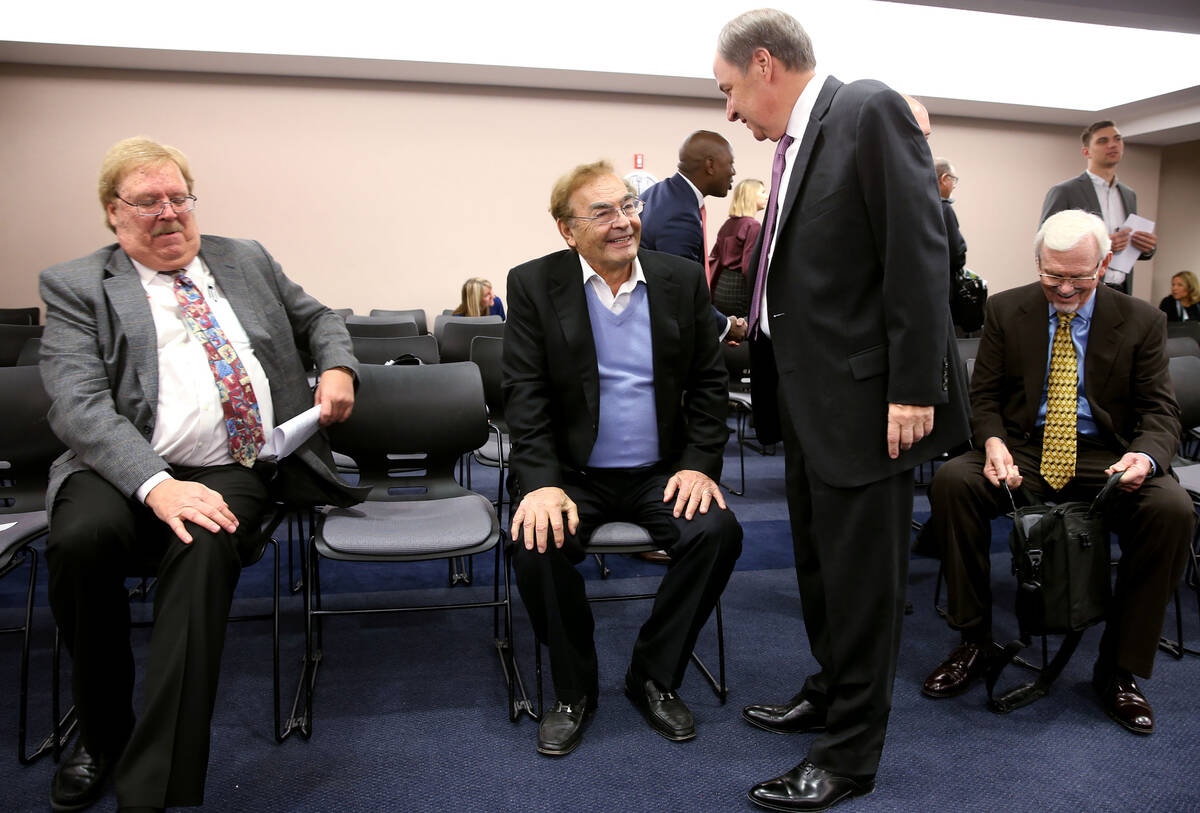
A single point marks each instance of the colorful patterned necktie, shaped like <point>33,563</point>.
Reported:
<point>768,231</point>
<point>242,419</point>
<point>1062,408</point>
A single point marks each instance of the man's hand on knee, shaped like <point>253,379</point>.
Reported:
<point>174,501</point>
<point>692,490</point>
<point>540,518</point>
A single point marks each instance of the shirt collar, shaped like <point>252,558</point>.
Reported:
<point>695,190</point>
<point>1098,181</point>
<point>149,275</point>
<point>1084,314</point>
<point>802,110</point>
<point>628,285</point>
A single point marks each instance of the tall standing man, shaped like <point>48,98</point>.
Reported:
<point>850,338</point>
<point>168,356</point>
<point>1098,191</point>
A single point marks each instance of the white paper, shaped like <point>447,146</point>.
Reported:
<point>6,526</point>
<point>289,435</point>
<point>1124,261</point>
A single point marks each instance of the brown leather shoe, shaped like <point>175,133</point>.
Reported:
<point>954,675</point>
<point>1124,702</point>
<point>657,557</point>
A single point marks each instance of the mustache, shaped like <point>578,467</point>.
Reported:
<point>166,228</point>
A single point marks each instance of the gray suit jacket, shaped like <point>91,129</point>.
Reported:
<point>1080,193</point>
<point>100,363</point>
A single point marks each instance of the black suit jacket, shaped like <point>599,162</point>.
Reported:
<point>858,290</point>
<point>1125,374</point>
<point>552,381</point>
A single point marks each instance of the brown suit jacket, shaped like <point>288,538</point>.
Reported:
<point>1125,374</point>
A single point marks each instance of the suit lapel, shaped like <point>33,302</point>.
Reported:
<point>1033,337</point>
<point>568,297</point>
<point>1088,190</point>
<point>237,293</point>
<point>807,141</point>
<point>1104,339</point>
<point>662,296</point>
<point>127,297</point>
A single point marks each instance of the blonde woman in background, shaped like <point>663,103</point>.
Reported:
<point>477,299</point>
<point>1183,305</point>
<point>730,256</point>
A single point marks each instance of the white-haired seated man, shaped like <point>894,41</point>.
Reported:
<point>1066,332</point>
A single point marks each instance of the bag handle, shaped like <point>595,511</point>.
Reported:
<point>1110,486</point>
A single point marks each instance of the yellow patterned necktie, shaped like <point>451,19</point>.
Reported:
<point>1062,407</point>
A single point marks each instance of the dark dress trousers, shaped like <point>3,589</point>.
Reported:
<point>552,392</point>
<point>859,318</point>
<point>1133,405</point>
<point>100,367</point>
<point>1080,193</point>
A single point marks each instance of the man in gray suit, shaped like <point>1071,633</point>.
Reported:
<point>168,357</point>
<point>1097,190</point>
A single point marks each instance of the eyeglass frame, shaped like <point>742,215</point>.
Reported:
<point>615,210</point>
<point>1075,281</point>
<point>951,177</point>
<point>165,203</point>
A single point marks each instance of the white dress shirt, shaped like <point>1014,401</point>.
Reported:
<point>797,124</point>
<point>614,302</point>
<point>189,426</point>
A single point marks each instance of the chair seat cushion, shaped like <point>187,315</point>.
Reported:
<point>741,399</point>
<point>620,534</point>
<point>19,528</point>
<point>411,529</point>
<point>486,454</point>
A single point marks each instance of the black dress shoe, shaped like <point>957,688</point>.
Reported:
<point>561,727</point>
<point>793,717</point>
<point>807,787</point>
<point>954,675</point>
<point>79,780</point>
<point>1123,701</point>
<point>663,709</point>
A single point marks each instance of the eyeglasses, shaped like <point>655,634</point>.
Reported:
<point>953,178</point>
<point>609,214</point>
<point>154,208</point>
<point>1054,280</point>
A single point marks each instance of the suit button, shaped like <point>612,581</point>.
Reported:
<point>146,430</point>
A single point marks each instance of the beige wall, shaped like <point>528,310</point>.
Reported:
<point>377,194</point>
<point>1179,204</point>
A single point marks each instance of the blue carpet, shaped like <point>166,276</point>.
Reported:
<point>410,710</point>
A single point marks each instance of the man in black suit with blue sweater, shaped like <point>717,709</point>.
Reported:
<point>616,397</point>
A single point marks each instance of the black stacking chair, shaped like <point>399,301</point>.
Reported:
<point>19,316</point>
<point>12,341</point>
<point>31,353</point>
<point>1185,376</point>
<point>436,411</point>
<point>627,537</point>
<point>417,314</point>
<point>1182,346</point>
<point>27,448</point>
<point>380,326</point>
<point>440,322</point>
<point>455,344</point>
<point>487,352</point>
<point>382,349</point>
<point>344,312</point>
<point>737,362</point>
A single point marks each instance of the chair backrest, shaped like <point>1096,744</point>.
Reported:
<point>418,315</point>
<point>382,349</point>
<point>455,344</point>
<point>12,339</point>
<point>737,363</point>
<point>434,410</point>
<point>27,444</point>
<point>1185,377</point>
<point>488,353</point>
<point>967,348</point>
<point>380,326</point>
<point>1182,346</point>
<point>31,353</point>
<point>19,316</point>
<point>440,322</point>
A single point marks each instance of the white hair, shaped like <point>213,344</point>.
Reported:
<point>1064,230</point>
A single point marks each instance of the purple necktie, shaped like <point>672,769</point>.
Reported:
<point>760,277</point>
